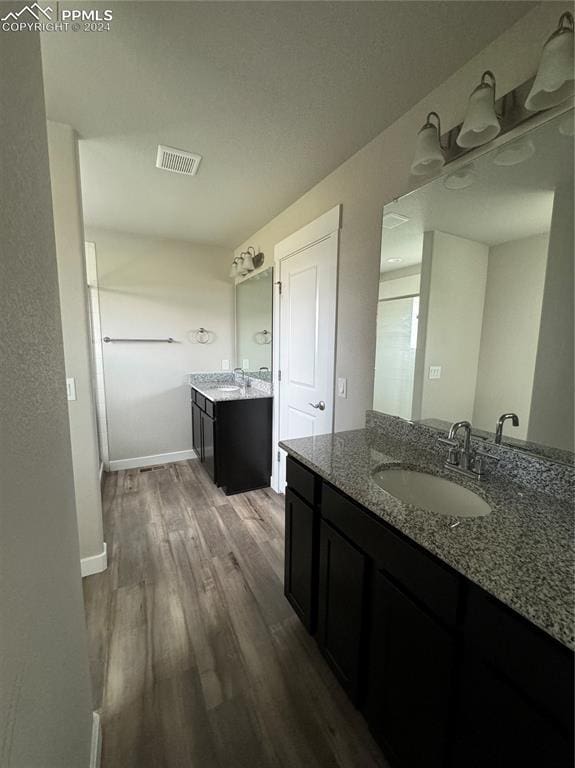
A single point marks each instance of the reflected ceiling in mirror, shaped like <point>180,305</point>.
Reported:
<point>475,311</point>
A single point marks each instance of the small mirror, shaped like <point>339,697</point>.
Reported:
<point>254,324</point>
<point>475,311</point>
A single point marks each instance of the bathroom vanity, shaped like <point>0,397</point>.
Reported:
<point>453,637</point>
<point>232,431</point>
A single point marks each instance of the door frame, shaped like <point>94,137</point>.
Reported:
<point>325,226</point>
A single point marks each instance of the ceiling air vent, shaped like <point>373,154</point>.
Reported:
<point>177,160</point>
<point>393,220</point>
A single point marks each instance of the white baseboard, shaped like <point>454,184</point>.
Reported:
<point>149,461</point>
<point>96,745</point>
<point>94,564</point>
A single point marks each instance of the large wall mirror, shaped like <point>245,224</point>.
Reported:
<point>254,298</point>
<point>475,312</point>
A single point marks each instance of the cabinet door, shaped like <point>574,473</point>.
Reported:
<point>208,445</point>
<point>409,681</point>
<point>499,727</point>
<point>197,430</point>
<point>300,580</point>
<point>342,581</point>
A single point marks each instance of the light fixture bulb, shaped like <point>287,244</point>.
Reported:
<point>429,157</point>
<point>514,153</point>
<point>461,178</point>
<point>554,79</point>
<point>481,123</point>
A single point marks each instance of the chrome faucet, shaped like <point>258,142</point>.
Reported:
<point>462,458</point>
<point>236,372</point>
<point>500,423</point>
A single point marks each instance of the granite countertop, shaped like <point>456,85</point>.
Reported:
<point>522,553</point>
<point>211,388</point>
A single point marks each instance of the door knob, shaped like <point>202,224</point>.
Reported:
<point>320,406</point>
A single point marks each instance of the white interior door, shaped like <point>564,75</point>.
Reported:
<point>307,271</point>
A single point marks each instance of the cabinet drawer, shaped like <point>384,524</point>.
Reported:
<point>424,577</point>
<point>209,407</point>
<point>201,401</point>
<point>540,666</point>
<point>302,481</point>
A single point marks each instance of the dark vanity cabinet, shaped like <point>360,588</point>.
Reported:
<point>233,440</point>
<point>445,675</point>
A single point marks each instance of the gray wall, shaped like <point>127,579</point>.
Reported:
<point>156,289</point>
<point>45,710</point>
<point>377,174</point>
<point>69,230</point>
<point>552,404</point>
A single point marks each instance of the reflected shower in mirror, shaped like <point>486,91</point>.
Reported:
<point>254,324</point>
<point>475,312</point>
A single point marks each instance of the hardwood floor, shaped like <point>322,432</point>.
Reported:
<point>197,659</point>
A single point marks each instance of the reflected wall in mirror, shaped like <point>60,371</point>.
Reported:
<point>475,313</point>
<point>254,324</point>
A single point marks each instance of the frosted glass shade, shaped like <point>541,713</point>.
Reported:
<point>234,269</point>
<point>481,123</point>
<point>429,157</point>
<point>248,265</point>
<point>554,80</point>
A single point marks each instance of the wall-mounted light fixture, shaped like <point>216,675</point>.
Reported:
<point>554,79</point>
<point>246,262</point>
<point>429,157</point>
<point>481,122</point>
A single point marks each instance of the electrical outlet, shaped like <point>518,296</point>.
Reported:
<point>434,371</point>
<point>342,387</point>
<point>246,364</point>
<point>71,388</point>
<point>225,365</point>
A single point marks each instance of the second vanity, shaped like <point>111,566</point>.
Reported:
<point>454,636</point>
<point>232,430</point>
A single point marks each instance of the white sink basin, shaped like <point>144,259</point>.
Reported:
<point>435,494</point>
<point>228,389</point>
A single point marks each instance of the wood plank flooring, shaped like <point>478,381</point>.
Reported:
<point>197,659</point>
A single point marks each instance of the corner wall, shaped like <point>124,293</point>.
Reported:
<point>377,174</point>
<point>69,230</point>
<point>45,707</point>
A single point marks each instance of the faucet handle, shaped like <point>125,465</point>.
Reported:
<point>454,448</point>
<point>480,458</point>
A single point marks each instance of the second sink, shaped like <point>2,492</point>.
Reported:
<point>435,494</point>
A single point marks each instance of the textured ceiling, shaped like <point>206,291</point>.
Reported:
<point>274,95</point>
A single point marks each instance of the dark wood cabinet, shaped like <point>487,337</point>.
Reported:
<point>233,439</point>
<point>197,429</point>
<point>208,432</point>
<point>341,598</point>
<point>409,679</point>
<point>445,674</point>
<point>301,541</point>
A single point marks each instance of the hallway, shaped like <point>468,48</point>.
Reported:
<point>197,658</point>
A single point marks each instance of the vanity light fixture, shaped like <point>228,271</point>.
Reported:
<point>429,154</point>
<point>461,178</point>
<point>514,153</point>
<point>554,79</point>
<point>481,122</point>
<point>246,262</point>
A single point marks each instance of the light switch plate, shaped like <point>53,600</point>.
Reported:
<point>225,365</point>
<point>434,371</point>
<point>342,387</point>
<point>71,388</point>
